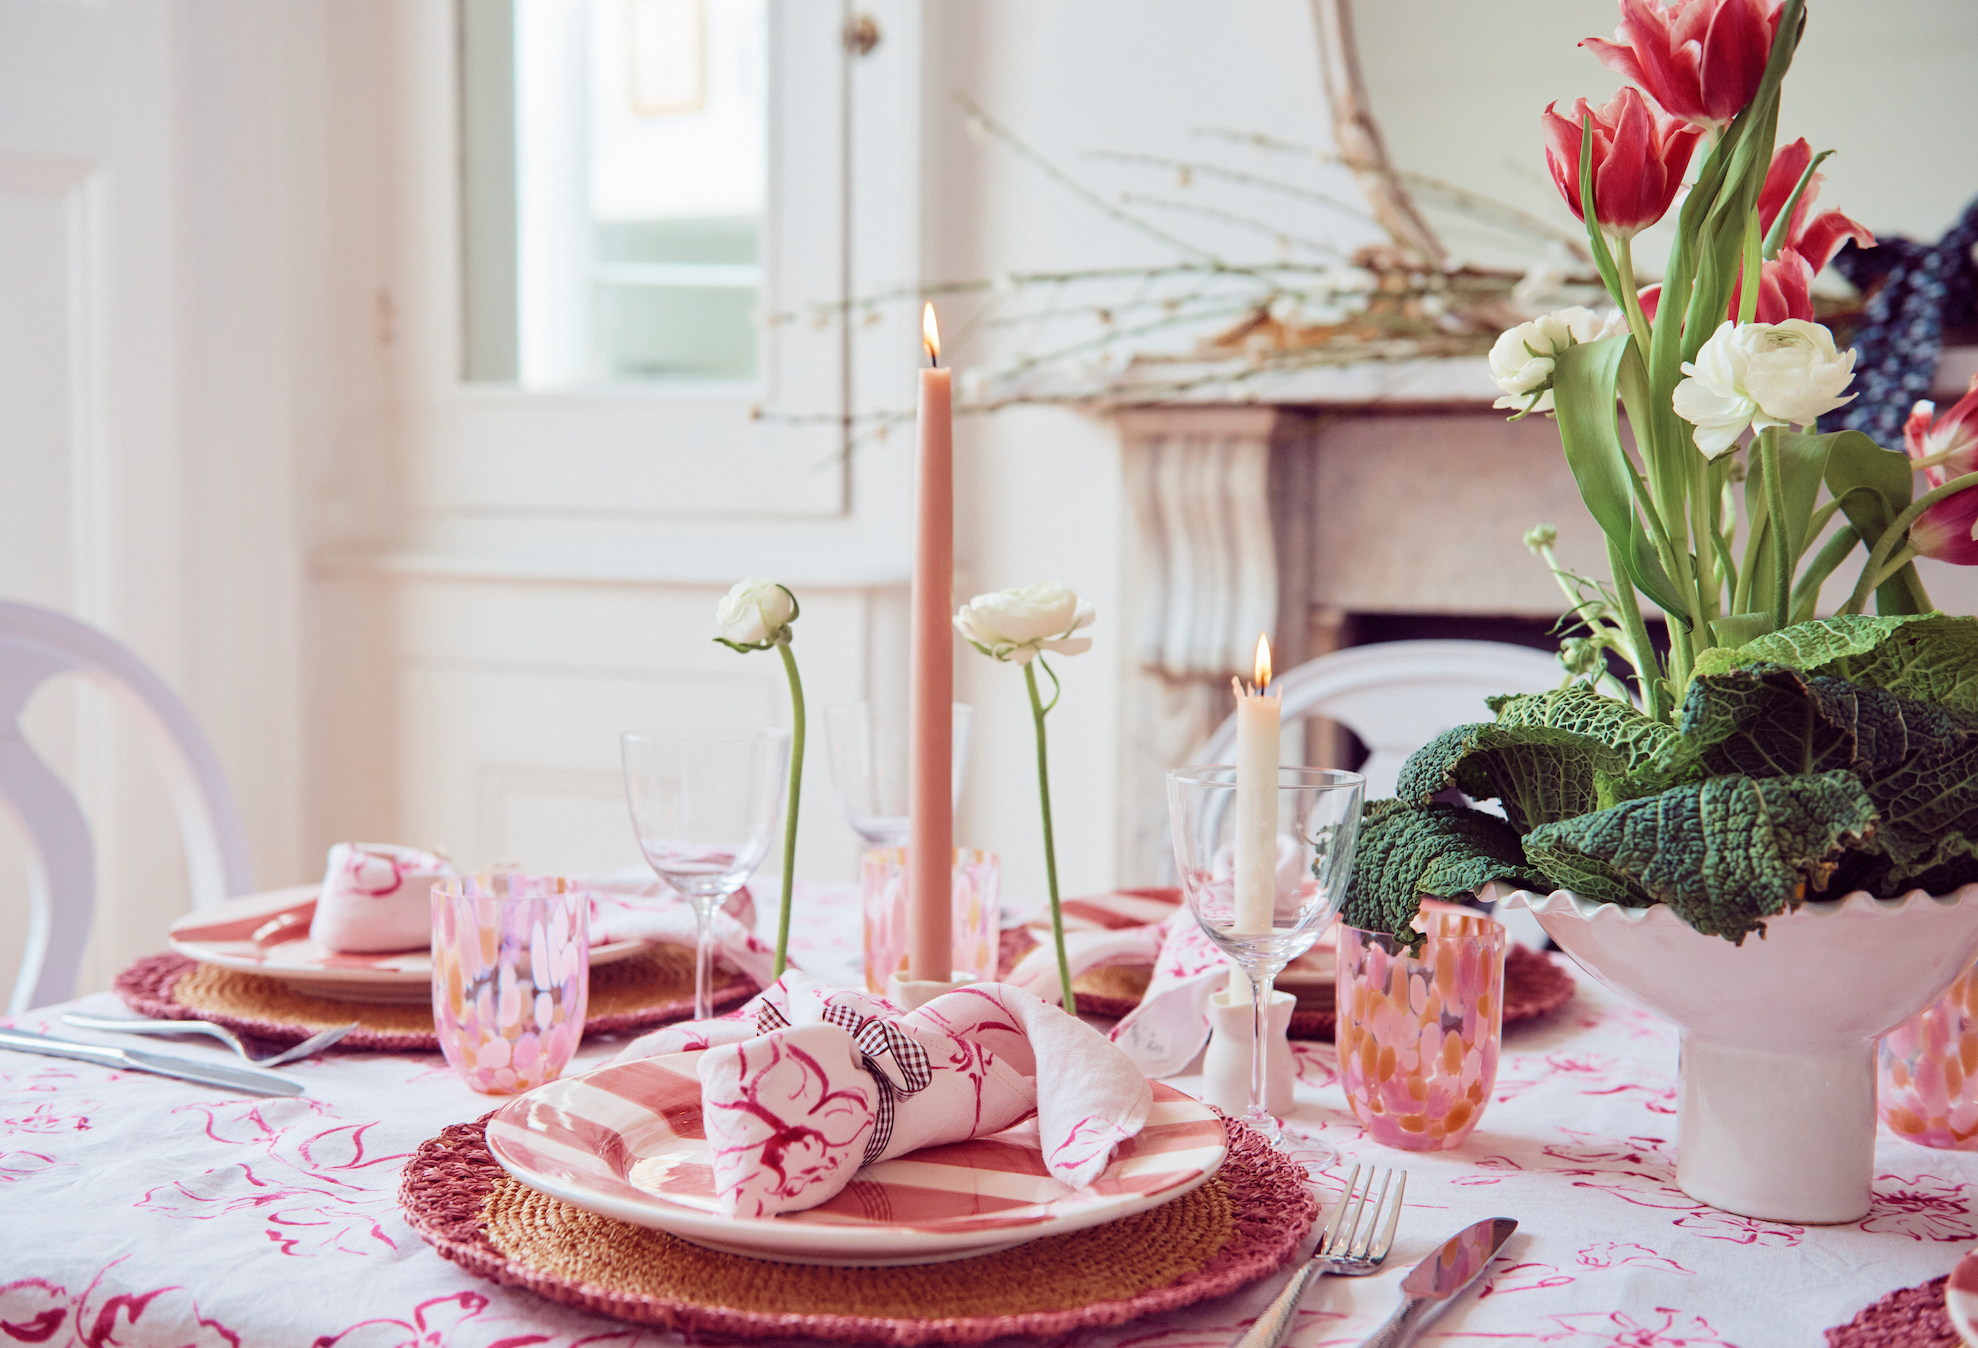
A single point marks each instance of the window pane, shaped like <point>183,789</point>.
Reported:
<point>634,203</point>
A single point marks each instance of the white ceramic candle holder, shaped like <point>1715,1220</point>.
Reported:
<point>1226,1062</point>
<point>914,993</point>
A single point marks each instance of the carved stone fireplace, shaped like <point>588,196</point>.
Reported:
<point>1362,498</point>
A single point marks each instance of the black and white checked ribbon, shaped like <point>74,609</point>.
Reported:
<point>898,1064</point>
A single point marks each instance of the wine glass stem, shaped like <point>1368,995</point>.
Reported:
<point>704,959</point>
<point>1260,1042</point>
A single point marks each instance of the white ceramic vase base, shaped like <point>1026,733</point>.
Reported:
<point>1226,1062</point>
<point>1783,1137</point>
<point>1776,1108</point>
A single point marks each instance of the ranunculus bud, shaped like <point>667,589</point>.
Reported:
<point>1761,374</point>
<point>1522,357</point>
<point>756,612</point>
<point>1702,60</point>
<point>1638,160</point>
<point>1016,625</point>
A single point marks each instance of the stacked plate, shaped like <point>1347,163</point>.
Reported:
<point>268,934</point>
<point>626,1141</point>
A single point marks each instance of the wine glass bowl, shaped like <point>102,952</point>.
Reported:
<point>869,764</point>
<point>1318,820</point>
<point>704,810</point>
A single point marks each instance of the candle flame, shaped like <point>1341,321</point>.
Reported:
<point>930,335</point>
<point>1263,670</point>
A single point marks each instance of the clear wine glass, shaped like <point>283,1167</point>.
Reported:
<point>705,810</point>
<point>1318,819</point>
<point>869,767</point>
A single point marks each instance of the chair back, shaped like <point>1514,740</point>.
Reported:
<point>36,644</point>
<point>1398,695</point>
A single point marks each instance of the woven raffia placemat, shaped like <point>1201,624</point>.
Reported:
<point>1535,984</point>
<point>1913,1317</point>
<point>652,988</point>
<point>1243,1224</point>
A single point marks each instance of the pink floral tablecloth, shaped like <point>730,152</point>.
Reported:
<point>136,1210</point>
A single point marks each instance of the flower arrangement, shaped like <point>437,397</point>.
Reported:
<point>1770,756</point>
<point>1017,627</point>
<point>755,615</point>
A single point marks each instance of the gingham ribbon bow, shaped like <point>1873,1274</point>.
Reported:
<point>897,1062</point>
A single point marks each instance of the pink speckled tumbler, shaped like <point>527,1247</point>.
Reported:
<point>1419,1034</point>
<point>1929,1087</point>
<point>511,975</point>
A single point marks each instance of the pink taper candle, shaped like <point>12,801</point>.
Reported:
<point>931,835</point>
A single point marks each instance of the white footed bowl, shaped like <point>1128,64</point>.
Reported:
<point>1776,1107</point>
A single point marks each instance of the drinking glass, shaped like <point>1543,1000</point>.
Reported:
<point>869,767</point>
<point>1318,819</point>
<point>511,976</point>
<point>705,810</point>
<point>1419,1034</point>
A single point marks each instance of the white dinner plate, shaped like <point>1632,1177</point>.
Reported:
<point>268,933</point>
<point>626,1141</point>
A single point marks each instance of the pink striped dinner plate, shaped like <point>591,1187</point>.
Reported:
<point>268,933</point>
<point>626,1141</point>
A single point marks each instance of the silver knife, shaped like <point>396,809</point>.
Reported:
<point>1439,1279</point>
<point>130,1059</point>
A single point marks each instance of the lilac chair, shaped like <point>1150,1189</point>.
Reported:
<point>37,644</point>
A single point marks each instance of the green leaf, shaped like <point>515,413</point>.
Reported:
<point>1918,762</point>
<point>1441,850</point>
<point>1584,380</point>
<point>1726,853</point>
<point>1538,773</point>
<point>1579,708</point>
<point>1932,657</point>
<point>1735,630</point>
<point>1802,468</point>
<point>1874,485</point>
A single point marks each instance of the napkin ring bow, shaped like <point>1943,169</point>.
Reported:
<point>898,1064</point>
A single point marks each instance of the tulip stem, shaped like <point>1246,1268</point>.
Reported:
<point>1775,511</point>
<point>1871,570</point>
<point>1037,712</point>
<point>796,792</point>
<point>1624,265</point>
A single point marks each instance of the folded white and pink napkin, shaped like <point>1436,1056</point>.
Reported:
<point>635,905</point>
<point>377,896</point>
<point>807,1083</point>
<point>1170,1026</point>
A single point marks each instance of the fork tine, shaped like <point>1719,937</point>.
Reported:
<point>1393,1216</point>
<point>1358,1249</point>
<point>1343,1242</point>
<point>1339,1208</point>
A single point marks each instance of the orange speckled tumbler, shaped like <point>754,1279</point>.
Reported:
<point>1929,1086</point>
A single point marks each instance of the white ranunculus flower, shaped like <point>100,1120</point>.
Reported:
<point>1521,361</point>
<point>754,612</point>
<point>1761,374</point>
<point>1015,625</point>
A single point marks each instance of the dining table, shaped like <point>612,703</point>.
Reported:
<point>141,1210</point>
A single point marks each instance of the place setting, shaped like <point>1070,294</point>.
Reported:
<point>1263,960</point>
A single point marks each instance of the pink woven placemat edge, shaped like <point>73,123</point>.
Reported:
<point>449,1177</point>
<point>146,988</point>
<point>1909,1317</point>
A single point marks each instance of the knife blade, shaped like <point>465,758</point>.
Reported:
<point>1439,1279</point>
<point>130,1059</point>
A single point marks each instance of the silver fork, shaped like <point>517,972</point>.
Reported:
<point>1347,1249</point>
<point>314,1044</point>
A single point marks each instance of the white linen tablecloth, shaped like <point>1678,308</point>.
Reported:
<point>136,1210</point>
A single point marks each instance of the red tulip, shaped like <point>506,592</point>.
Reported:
<point>1814,237</point>
<point>1638,160</point>
<point>1702,60</point>
<point>1785,290</point>
<point>1943,449</point>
